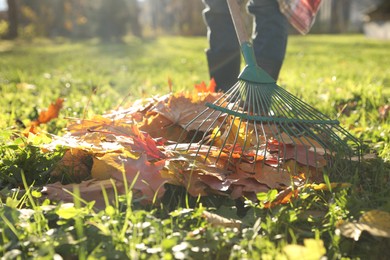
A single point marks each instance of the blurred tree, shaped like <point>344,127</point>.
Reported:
<point>188,17</point>
<point>115,16</point>
<point>176,16</point>
<point>135,26</point>
<point>13,19</point>
<point>340,16</point>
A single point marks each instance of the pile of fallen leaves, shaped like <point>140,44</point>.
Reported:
<point>142,146</point>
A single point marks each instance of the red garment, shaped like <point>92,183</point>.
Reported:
<point>300,13</point>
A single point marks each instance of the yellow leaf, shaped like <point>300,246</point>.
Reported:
<point>325,187</point>
<point>104,166</point>
<point>311,250</point>
<point>236,131</point>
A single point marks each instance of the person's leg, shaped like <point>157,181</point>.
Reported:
<point>269,35</point>
<point>223,55</point>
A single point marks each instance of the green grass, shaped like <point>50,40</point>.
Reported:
<point>346,77</point>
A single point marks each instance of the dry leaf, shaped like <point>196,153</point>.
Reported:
<point>125,142</point>
<point>384,111</point>
<point>50,113</point>
<point>283,197</point>
<point>181,110</point>
<point>375,222</point>
<point>102,125</point>
<point>143,143</point>
<point>159,126</point>
<point>90,190</point>
<point>198,178</point>
<point>203,88</point>
<point>274,178</point>
<point>75,165</point>
<point>236,132</point>
<point>303,155</point>
<point>219,221</point>
<point>243,186</point>
<point>146,175</point>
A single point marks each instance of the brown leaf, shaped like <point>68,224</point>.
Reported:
<point>74,165</point>
<point>181,110</point>
<point>243,185</point>
<point>303,155</point>
<point>300,140</point>
<point>90,190</point>
<point>274,178</point>
<point>198,178</point>
<point>384,111</point>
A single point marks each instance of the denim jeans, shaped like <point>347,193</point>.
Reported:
<point>269,37</point>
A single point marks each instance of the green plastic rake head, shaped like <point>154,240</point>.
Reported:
<point>261,124</point>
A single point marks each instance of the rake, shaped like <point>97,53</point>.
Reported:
<point>260,123</point>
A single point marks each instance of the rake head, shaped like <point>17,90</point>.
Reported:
<point>263,125</point>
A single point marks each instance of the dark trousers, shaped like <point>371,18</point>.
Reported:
<point>269,37</point>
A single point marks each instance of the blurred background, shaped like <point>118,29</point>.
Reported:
<point>111,20</point>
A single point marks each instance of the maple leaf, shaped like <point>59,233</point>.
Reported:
<point>236,131</point>
<point>197,177</point>
<point>303,155</point>
<point>90,142</point>
<point>90,190</point>
<point>203,88</point>
<point>145,175</point>
<point>75,165</point>
<point>283,197</point>
<point>274,178</point>
<point>144,143</point>
<point>50,113</point>
<point>182,110</point>
<point>300,140</point>
<point>101,124</point>
<point>159,126</point>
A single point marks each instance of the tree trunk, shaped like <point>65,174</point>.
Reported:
<point>13,19</point>
<point>340,16</point>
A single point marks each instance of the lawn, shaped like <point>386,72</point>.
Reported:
<point>345,77</point>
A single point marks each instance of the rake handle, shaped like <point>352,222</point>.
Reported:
<point>239,26</point>
<point>252,72</point>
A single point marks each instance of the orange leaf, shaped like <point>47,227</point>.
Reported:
<point>52,112</point>
<point>201,88</point>
<point>145,144</point>
<point>212,85</point>
<point>283,197</point>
